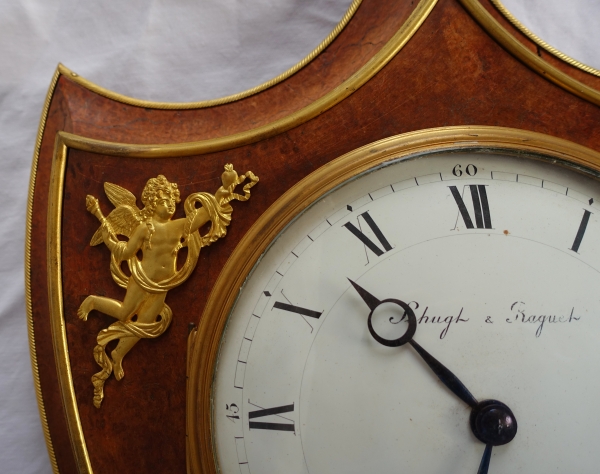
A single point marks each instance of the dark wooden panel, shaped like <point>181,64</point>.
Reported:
<point>450,73</point>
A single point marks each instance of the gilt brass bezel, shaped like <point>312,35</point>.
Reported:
<point>297,199</point>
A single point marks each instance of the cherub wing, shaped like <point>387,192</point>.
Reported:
<point>123,220</point>
<point>119,196</point>
<point>126,215</point>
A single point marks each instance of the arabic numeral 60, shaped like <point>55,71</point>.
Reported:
<point>471,170</point>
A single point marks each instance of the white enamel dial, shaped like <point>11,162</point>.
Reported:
<point>498,256</point>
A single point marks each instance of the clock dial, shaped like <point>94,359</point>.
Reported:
<point>498,257</point>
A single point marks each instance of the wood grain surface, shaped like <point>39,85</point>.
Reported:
<point>450,73</point>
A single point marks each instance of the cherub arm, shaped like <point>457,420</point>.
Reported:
<point>139,236</point>
<point>200,218</point>
<point>123,220</point>
<point>126,249</point>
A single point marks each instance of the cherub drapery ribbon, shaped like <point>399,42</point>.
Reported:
<point>143,312</point>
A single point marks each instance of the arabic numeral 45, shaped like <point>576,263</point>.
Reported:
<point>233,412</point>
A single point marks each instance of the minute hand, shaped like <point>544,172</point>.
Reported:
<point>492,422</point>
<point>443,373</point>
<point>446,376</point>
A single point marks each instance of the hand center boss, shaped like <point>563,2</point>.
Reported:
<point>492,421</point>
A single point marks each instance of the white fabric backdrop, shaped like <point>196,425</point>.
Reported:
<point>165,50</point>
<point>571,26</point>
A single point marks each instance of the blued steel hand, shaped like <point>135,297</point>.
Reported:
<point>444,374</point>
<point>485,460</point>
<point>492,422</point>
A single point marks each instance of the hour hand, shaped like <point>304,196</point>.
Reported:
<point>373,303</point>
<point>492,422</point>
<point>367,297</point>
<point>443,373</point>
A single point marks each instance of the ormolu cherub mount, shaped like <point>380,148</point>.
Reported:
<point>143,312</point>
<point>389,68</point>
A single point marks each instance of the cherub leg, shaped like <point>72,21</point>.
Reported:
<point>104,305</point>
<point>114,308</point>
<point>147,313</point>
<point>123,347</point>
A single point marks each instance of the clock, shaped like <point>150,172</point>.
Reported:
<point>455,229</point>
<point>405,308</point>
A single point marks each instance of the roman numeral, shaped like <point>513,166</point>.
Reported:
<point>481,206</point>
<point>365,240</point>
<point>580,233</point>
<point>297,309</point>
<point>261,425</point>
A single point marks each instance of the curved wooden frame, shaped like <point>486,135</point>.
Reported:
<point>289,206</point>
<point>273,127</point>
<point>28,304</point>
<point>540,42</point>
<point>221,100</point>
<point>529,58</point>
<point>65,140</point>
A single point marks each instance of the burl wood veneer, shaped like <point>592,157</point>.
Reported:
<point>450,73</point>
